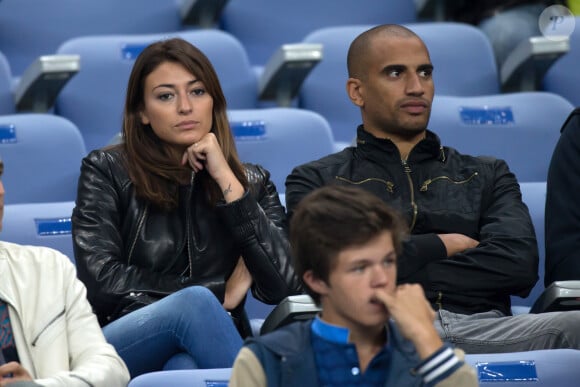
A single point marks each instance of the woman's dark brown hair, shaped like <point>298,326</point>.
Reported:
<point>154,166</point>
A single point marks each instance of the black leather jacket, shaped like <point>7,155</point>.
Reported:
<point>129,253</point>
<point>439,191</point>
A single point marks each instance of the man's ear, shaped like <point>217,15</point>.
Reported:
<point>353,89</point>
<point>316,284</point>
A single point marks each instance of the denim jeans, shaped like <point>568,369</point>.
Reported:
<point>190,321</point>
<point>509,28</point>
<point>494,332</point>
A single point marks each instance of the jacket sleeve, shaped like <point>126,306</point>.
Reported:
<point>259,226</point>
<point>247,370</point>
<point>506,259</point>
<point>99,246</point>
<point>418,249</point>
<point>562,209</point>
<point>463,375</point>
<point>93,361</point>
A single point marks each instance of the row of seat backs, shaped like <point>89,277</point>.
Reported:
<point>261,25</point>
<point>30,28</point>
<point>521,128</point>
<point>466,70</point>
<point>106,62</point>
<point>550,367</point>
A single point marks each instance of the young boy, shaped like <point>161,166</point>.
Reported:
<point>370,332</point>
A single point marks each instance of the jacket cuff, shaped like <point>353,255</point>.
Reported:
<point>239,215</point>
<point>439,365</point>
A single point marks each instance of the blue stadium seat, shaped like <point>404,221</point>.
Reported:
<point>563,77</point>
<point>465,68</point>
<point>280,139</point>
<point>6,98</point>
<point>30,28</point>
<point>263,25</point>
<point>521,128</point>
<point>42,154</point>
<point>534,196</point>
<point>216,377</point>
<point>94,98</point>
<point>541,368</point>
<point>39,224</point>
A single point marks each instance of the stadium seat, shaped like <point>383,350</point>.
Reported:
<point>6,97</point>
<point>214,377</point>
<point>42,154</point>
<point>563,77</point>
<point>30,28</point>
<point>39,224</point>
<point>94,98</point>
<point>263,25</point>
<point>540,368</point>
<point>521,128</point>
<point>280,139</point>
<point>465,68</point>
<point>534,196</point>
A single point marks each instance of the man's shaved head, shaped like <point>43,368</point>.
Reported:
<point>358,50</point>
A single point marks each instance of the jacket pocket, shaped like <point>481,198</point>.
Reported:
<point>454,194</point>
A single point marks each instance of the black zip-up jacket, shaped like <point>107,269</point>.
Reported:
<point>439,191</point>
<point>129,253</point>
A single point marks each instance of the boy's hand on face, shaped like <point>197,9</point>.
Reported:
<point>414,317</point>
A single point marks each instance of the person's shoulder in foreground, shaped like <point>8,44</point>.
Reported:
<point>56,335</point>
<point>370,330</point>
<point>50,335</point>
<point>562,208</point>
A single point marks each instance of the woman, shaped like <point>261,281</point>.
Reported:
<point>172,212</point>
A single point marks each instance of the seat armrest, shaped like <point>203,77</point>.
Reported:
<point>290,309</point>
<point>559,296</point>
<point>201,13</point>
<point>525,67</point>
<point>42,81</point>
<point>286,70</point>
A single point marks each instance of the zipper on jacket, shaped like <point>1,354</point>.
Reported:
<point>188,224</point>
<point>139,227</point>
<point>46,327</point>
<point>389,184</point>
<point>427,182</point>
<point>439,301</point>
<point>407,170</point>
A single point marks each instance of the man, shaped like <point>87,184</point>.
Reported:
<point>346,253</point>
<point>472,242</point>
<point>562,210</point>
<point>48,333</point>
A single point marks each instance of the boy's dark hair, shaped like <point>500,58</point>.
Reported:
<point>333,218</point>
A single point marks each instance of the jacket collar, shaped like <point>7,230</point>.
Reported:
<point>371,147</point>
<point>292,340</point>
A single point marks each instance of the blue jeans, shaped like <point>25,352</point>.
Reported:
<point>509,28</point>
<point>494,332</point>
<point>190,321</point>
